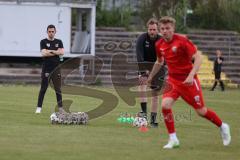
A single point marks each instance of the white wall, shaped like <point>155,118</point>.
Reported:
<point>23,26</point>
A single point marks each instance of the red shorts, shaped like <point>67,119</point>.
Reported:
<point>190,94</point>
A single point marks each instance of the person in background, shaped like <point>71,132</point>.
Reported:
<point>146,55</point>
<point>217,70</point>
<point>51,49</point>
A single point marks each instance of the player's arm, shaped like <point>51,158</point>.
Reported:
<point>156,67</point>
<point>140,59</point>
<point>140,48</point>
<point>44,51</point>
<point>219,60</point>
<point>197,57</point>
<point>58,52</point>
<point>47,53</point>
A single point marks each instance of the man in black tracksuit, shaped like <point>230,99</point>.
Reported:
<point>51,49</point>
<point>146,57</point>
<point>217,70</point>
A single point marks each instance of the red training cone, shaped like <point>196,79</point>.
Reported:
<point>143,129</point>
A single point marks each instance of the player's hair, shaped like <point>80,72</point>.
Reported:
<point>167,19</point>
<point>152,21</point>
<point>51,26</point>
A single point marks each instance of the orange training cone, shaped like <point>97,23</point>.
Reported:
<point>143,129</point>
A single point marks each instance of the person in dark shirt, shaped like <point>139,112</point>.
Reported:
<point>146,56</point>
<point>51,50</point>
<point>217,70</point>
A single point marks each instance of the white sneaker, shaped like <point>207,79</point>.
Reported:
<point>172,143</point>
<point>38,110</point>
<point>225,133</point>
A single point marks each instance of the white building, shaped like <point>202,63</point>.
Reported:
<point>24,23</point>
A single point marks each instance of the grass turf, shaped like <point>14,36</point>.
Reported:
<point>27,136</point>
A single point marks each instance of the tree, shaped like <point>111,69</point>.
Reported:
<point>159,8</point>
<point>231,15</point>
<point>113,17</point>
<point>216,14</point>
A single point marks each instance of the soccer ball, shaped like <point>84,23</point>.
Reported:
<point>140,122</point>
<point>54,119</point>
<point>83,117</point>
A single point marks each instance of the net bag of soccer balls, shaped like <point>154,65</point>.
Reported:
<point>69,118</point>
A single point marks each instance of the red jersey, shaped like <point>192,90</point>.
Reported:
<point>178,56</point>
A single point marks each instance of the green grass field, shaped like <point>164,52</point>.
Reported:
<point>27,136</point>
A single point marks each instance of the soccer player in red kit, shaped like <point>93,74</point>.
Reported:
<point>179,53</point>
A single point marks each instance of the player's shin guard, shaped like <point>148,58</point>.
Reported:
<point>169,120</point>
<point>213,117</point>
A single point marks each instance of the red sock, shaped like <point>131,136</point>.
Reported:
<point>213,117</point>
<point>169,120</point>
